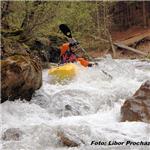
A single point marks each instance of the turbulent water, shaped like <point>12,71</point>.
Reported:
<point>86,109</point>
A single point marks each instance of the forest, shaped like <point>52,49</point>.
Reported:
<point>95,24</point>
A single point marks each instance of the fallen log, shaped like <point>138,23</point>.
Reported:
<point>135,38</point>
<point>120,45</point>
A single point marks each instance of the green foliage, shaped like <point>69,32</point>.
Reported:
<point>88,20</point>
<point>42,18</point>
<point>148,56</point>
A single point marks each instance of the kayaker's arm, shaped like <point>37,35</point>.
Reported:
<point>86,63</point>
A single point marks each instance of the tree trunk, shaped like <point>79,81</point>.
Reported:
<point>105,15</point>
<point>5,6</point>
<point>26,24</point>
<point>144,15</point>
<point>5,9</point>
<point>112,46</point>
<point>97,17</point>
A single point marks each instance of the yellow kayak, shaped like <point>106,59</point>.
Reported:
<point>66,71</point>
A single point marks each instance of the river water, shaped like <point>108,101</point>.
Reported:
<point>86,109</point>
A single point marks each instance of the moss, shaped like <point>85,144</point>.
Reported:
<point>148,56</point>
<point>25,46</point>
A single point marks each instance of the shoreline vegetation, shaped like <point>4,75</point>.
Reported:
<point>33,26</point>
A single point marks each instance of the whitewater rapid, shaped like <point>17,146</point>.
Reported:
<point>87,108</point>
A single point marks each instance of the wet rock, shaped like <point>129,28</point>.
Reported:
<point>53,54</point>
<point>45,50</point>
<point>69,140</point>
<point>20,76</point>
<point>12,134</point>
<point>66,141</point>
<point>137,108</point>
<point>68,107</point>
<point>73,136</point>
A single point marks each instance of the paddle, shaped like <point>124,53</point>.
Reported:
<point>66,31</point>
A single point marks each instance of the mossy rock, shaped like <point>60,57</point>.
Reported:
<point>11,47</point>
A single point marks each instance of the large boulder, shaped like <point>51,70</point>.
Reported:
<point>20,77</point>
<point>137,108</point>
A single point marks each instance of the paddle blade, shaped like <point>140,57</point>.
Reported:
<point>65,29</point>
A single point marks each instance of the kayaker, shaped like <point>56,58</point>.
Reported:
<point>68,54</point>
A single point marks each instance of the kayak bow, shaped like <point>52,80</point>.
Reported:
<point>66,71</point>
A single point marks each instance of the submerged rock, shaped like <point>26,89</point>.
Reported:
<point>137,108</point>
<point>67,141</point>
<point>73,136</point>
<point>71,103</point>
<point>12,134</point>
<point>20,76</point>
<point>70,138</point>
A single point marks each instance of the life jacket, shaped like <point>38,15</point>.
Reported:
<point>68,56</point>
<point>64,48</point>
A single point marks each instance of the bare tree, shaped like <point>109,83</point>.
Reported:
<point>144,15</point>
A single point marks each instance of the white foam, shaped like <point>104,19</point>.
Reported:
<point>87,107</point>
